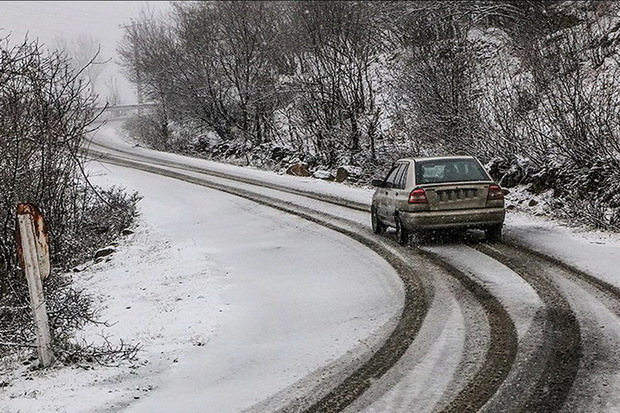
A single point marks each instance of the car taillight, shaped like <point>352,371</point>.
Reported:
<point>496,193</point>
<point>418,196</point>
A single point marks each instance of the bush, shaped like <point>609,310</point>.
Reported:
<point>45,112</point>
<point>103,216</point>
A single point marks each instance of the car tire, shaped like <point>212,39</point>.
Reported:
<point>402,235</point>
<point>493,233</point>
<point>378,227</point>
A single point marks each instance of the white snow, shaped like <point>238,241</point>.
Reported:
<point>233,303</point>
<point>594,252</point>
<point>230,302</point>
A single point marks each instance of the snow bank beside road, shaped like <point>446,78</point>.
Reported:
<point>596,253</point>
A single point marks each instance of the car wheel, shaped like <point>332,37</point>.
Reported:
<point>493,233</point>
<point>402,235</point>
<point>378,227</point>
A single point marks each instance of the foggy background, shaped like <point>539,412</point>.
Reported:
<point>78,27</point>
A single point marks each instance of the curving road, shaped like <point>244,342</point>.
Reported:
<point>514,326</point>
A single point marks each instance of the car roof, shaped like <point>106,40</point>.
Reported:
<point>436,158</point>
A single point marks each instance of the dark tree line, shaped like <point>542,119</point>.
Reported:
<point>528,86</point>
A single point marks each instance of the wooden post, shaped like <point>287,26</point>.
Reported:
<point>33,259</point>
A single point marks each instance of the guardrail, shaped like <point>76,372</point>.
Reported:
<point>127,110</point>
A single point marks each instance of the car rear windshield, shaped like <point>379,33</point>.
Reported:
<point>449,170</point>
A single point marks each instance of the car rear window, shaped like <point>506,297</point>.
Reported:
<point>449,170</point>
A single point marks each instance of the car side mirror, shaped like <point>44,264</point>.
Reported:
<point>379,183</point>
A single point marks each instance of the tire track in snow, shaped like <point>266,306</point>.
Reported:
<point>502,347</point>
<point>596,283</point>
<point>552,387</point>
<point>561,351</point>
<point>350,204</point>
<point>503,338</point>
<point>416,298</point>
<point>598,312</point>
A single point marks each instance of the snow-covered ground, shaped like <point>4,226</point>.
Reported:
<point>232,303</point>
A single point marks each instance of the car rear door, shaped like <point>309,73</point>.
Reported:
<point>383,194</point>
<point>396,190</point>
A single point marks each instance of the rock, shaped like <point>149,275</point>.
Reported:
<point>532,202</point>
<point>126,231</point>
<point>342,174</point>
<point>298,169</point>
<point>325,175</point>
<point>104,252</point>
<point>348,172</point>
<point>81,267</point>
<point>278,153</point>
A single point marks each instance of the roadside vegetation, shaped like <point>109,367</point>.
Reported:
<point>46,110</point>
<point>529,87</point>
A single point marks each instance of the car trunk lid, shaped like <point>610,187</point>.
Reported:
<point>453,196</point>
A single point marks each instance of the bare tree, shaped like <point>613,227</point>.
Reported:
<point>335,101</point>
<point>114,94</point>
<point>215,63</point>
<point>45,110</point>
<point>354,82</point>
<point>85,54</point>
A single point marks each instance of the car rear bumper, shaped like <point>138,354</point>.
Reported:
<point>468,218</point>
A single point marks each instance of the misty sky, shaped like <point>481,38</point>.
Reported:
<point>49,21</point>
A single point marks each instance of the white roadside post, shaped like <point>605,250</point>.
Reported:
<point>33,252</point>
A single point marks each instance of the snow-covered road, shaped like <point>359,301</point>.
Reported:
<point>230,301</point>
<point>297,296</point>
<point>240,307</point>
